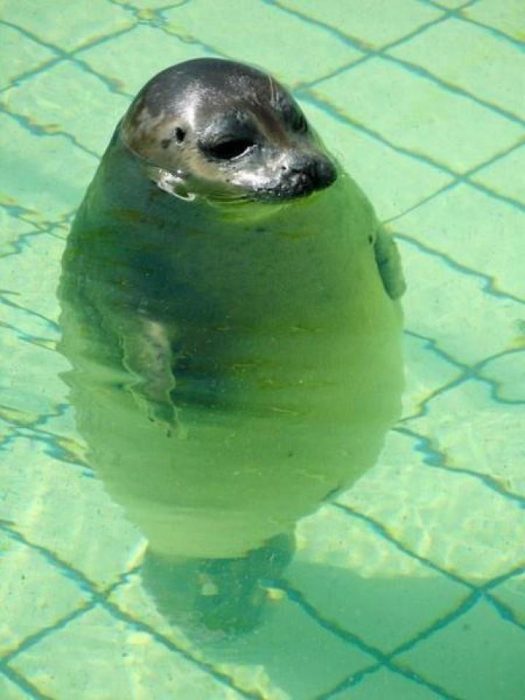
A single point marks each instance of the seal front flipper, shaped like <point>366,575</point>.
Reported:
<point>389,264</point>
<point>148,356</point>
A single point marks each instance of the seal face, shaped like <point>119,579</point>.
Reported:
<point>225,130</point>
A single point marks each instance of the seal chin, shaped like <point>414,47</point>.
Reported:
<point>304,178</point>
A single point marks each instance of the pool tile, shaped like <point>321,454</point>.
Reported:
<point>426,371</point>
<point>23,323</point>
<point>65,24</point>
<point>382,22</point>
<point>264,661</point>
<point>434,306</point>
<point>34,594</point>
<point>505,175</point>
<point>507,372</point>
<point>25,364</point>
<point>35,306</point>
<point>11,691</point>
<point>393,181</point>
<point>93,538</point>
<point>7,429</point>
<point>470,57</point>
<point>387,684</point>
<point>24,55</point>
<point>113,660</point>
<point>394,597</point>
<point>37,160</point>
<point>30,313</point>
<point>132,600</point>
<point>477,433</point>
<point>148,51</point>
<point>507,17</point>
<point>512,594</point>
<point>412,112</point>
<point>14,231</point>
<point>61,426</point>
<point>10,422</point>
<point>451,4</point>
<point>290,639</point>
<point>47,104</point>
<point>140,5</point>
<point>208,20</point>
<point>451,519</point>
<point>477,657</point>
<point>474,229</point>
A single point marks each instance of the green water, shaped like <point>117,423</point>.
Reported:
<point>411,584</point>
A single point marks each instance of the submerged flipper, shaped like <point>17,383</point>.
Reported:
<point>148,356</point>
<point>389,264</point>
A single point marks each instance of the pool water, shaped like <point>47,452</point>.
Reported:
<point>411,584</point>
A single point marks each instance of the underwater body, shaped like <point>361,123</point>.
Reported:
<point>234,364</point>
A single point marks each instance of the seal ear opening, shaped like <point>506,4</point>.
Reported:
<point>170,183</point>
<point>178,135</point>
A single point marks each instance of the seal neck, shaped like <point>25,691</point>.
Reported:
<point>119,180</point>
<point>123,189</point>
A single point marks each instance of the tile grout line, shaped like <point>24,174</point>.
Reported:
<point>42,132</point>
<point>340,116</point>
<point>23,683</point>
<point>436,459</point>
<point>129,618</point>
<point>383,531</point>
<point>490,287</point>
<point>386,660</point>
<point>100,597</point>
<point>408,65</point>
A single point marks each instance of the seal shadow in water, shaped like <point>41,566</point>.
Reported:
<point>236,348</point>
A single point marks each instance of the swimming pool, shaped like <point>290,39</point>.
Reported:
<point>412,583</point>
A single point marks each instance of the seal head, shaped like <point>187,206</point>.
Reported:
<point>225,131</point>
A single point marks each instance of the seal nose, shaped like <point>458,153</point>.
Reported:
<point>307,173</point>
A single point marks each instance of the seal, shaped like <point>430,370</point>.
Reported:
<point>230,311</point>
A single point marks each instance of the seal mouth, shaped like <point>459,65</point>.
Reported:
<point>297,186</point>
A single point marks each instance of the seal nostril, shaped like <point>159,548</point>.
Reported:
<point>306,173</point>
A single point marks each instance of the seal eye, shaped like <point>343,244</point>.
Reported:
<point>227,150</point>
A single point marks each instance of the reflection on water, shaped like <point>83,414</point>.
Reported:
<point>408,584</point>
<point>229,373</point>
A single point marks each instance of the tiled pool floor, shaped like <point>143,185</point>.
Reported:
<point>411,585</point>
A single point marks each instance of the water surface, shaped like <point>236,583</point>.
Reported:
<point>412,583</point>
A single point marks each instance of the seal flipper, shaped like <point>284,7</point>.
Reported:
<point>221,597</point>
<point>389,264</point>
<point>148,356</point>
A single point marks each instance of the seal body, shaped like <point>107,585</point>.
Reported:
<point>229,309</point>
